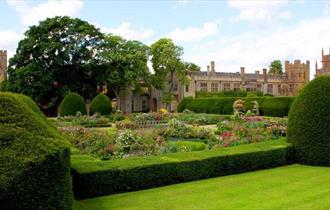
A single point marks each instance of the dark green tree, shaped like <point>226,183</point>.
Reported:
<point>126,67</point>
<point>275,67</point>
<point>56,56</point>
<point>192,66</point>
<point>167,63</point>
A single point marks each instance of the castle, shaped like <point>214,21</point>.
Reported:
<point>3,65</point>
<point>287,84</point>
<point>296,75</point>
<point>325,69</point>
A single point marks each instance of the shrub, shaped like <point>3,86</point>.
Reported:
<point>94,178</point>
<point>71,104</point>
<point>101,104</point>
<point>309,123</point>
<point>268,106</point>
<point>186,146</point>
<point>35,159</point>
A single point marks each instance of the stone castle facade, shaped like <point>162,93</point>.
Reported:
<point>325,69</point>
<point>3,65</point>
<point>296,75</point>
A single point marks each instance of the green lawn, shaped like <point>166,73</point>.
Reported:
<point>290,187</point>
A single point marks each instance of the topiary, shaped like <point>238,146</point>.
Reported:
<point>34,158</point>
<point>309,123</point>
<point>101,104</point>
<point>71,104</point>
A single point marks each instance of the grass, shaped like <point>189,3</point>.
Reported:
<point>291,187</point>
<point>85,163</point>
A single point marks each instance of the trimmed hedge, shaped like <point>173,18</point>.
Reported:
<point>277,106</point>
<point>269,106</point>
<point>101,104</point>
<point>92,177</point>
<point>71,104</point>
<point>34,159</point>
<point>231,93</point>
<point>309,123</point>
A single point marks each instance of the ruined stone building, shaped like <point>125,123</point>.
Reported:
<point>325,69</point>
<point>3,65</point>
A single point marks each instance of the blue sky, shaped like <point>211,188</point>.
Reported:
<point>232,33</point>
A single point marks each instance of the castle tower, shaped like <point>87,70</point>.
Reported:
<point>325,69</point>
<point>297,74</point>
<point>3,65</point>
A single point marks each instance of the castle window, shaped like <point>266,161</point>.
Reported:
<point>214,87</point>
<point>226,86</point>
<point>237,87</point>
<point>203,86</point>
<point>187,88</point>
<point>270,88</point>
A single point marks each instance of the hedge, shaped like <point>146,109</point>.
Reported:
<point>269,106</point>
<point>231,93</point>
<point>71,104</point>
<point>101,104</point>
<point>309,123</point>
<point>92,177</point>
<point>34,159</point>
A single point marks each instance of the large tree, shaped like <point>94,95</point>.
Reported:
<point>56,56</point>
<point>167,63</point>
<point>275,67</point>
<point>126,65</point>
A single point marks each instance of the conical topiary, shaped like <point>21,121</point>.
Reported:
<point>101,104</point>
<point>71,104</point>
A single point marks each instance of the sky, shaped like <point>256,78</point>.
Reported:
<point>232,33</point>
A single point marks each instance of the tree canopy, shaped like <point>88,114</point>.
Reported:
<point>167,63</point>
<point>125,64</point>
<point>275,67</point>
<point>56,56</point>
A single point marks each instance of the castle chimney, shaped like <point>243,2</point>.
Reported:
<point>242,70</point>
<point>212,66</point>
<point>264,72</point>
<point>257,72</point>
<point>322,52</point>
<point>316,65</point>
<point>208,68</point>
<point>243,74</point>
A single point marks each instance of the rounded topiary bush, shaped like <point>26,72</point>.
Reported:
<point>34,158</point>
<point>309,123</point>
<point>101,104</point>
<point>71,104</point>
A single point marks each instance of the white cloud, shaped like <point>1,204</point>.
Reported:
<point>31,15</point>
<point>195,33</point>
<point>9,40</point>
<point>125,30</point>
<point>255,51</point>
<point>259,12</point>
